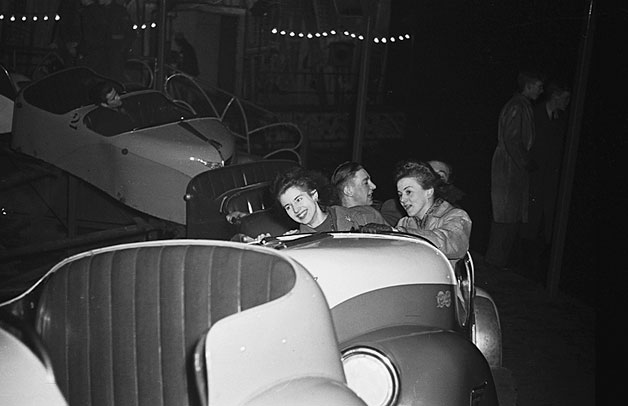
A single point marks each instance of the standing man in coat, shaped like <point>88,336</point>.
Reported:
<point>510,169</point>
<point>550,118</point>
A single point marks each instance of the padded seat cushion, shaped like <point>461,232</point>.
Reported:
<point>121,325</point>
<point>247,199</point>
<point>206,193</point>
<point>264,216</point>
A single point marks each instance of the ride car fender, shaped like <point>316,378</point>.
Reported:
<point>487,333</point>
<point>435,367</point>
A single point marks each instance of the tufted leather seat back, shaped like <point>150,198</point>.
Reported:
<point>206,194</point>
<point>247,199</point>
<point>121,324</point>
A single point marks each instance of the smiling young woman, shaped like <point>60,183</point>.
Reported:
<point>299,192</point>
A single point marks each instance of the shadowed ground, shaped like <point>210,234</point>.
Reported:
<point>548,343</point>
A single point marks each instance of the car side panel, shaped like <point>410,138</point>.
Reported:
<point>430,306</point>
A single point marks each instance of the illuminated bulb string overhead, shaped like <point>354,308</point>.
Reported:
<point>331,33</point>
<point>29,17</point>
<point>57,17</point>
<point>144,26</point>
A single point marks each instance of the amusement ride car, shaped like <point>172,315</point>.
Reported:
<point>412,330</point>
<point>176,322</point>
<point>146,167</point>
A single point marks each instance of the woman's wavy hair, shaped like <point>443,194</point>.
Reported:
<point>307,181</point>
<point>424,174</point>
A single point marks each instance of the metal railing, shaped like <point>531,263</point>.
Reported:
<point>261,131</point>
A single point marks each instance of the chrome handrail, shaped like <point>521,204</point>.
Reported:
<point>235,101</point>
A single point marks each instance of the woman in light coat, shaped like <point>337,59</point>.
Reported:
<point>428,215</point>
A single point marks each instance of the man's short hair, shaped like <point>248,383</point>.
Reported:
<point>343,173</point>
<point>555,89</point>
<point>528,78</point>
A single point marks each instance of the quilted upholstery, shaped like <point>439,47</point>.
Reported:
<point>247,199</point>
<point>206,192</point>
<point>121,325</point>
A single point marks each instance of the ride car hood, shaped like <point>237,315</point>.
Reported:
<point>346,265</point>
<point>191,146</point>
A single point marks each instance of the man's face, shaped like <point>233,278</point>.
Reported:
<point>534,90</point>
<point>113,99</point>
<point>562,101</point>
<point>362,188</point>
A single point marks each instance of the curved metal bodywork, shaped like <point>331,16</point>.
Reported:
<point>290,339</point>
<point>436,367</point>
<point>399,295</point>
<point>146,167</point>
<point>8,91</point>
<point>23,378</point>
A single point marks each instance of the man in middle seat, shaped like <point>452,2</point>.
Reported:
<point>355,188</point>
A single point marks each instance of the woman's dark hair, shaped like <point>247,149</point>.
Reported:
<point>305,180</point>
<point>98,93</point>
<point>424,174</point>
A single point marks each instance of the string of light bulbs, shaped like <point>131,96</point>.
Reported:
<point>144,26</point>
<point>57,17</point>
<point>30,17</point>
<point>331,33</point>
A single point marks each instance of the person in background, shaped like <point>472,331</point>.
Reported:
<point>187,61</point>
<point>550,120</point>
<point>510,171</point>
<point>299,191</point>
<point>428,215</point>
<point>68,33</point>
<point>451,193</point>
<point>110,118</point>
<point>355,187</point>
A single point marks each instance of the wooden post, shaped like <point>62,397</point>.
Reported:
<point>360,113</point>
<point>161,45</point>
<point>571,152</point>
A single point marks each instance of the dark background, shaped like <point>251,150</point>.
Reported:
<point>463,67</point>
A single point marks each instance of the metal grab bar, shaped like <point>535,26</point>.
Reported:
<point>235,101</point>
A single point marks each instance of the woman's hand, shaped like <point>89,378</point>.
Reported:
<point>374,228</point>
<point>235,216</point>
<point>247,239</point>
